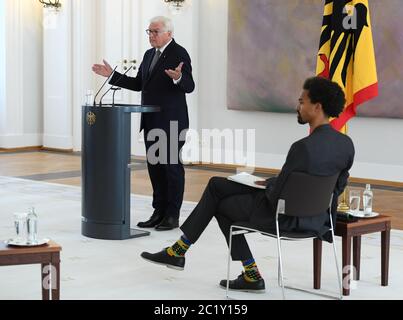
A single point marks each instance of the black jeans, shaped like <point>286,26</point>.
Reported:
<point>228,202</point>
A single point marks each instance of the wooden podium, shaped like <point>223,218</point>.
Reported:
<point>106,157</point>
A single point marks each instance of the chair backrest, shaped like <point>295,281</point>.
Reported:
<point>305,195</point>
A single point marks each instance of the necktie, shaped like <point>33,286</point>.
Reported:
<point>155,60</point>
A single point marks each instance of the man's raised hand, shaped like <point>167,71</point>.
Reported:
<point>104,70</point>
<point>175,74</point>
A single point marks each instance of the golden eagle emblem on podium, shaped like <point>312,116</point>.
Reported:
<point>91,118</point>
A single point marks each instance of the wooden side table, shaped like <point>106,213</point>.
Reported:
<point>352,232</point>
<point>49,258</point>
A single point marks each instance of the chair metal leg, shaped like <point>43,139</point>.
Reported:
<point>279,274</point>
<point>229,262</point>
<point>340,296</point>
<point>339,280</point>
<point>280,260</point>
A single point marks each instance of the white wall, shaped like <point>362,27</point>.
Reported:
<point>378,155</point>
<point>32,70</point>
<point>2,66</point>
<point>84,55</point>
<point>21,105</point>
<point>58,69</point>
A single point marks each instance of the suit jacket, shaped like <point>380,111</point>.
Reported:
<point>325,152</point>
<point>158,88</point>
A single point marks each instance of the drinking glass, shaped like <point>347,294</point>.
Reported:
<point>355,199</point>
<point>20,220</point>
<point>89,97</point>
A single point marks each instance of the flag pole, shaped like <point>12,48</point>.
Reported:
<point>343,205</point>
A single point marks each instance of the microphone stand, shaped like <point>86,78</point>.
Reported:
<point>103,85</point>
<point>116,83</point>
<point>114,89</point>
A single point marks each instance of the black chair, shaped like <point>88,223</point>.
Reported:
<point>303,195</point>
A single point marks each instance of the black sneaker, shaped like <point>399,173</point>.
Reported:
<point>163,258</point>
<point>240,284</point>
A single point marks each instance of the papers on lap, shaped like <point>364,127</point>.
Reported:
<point>247,179</point>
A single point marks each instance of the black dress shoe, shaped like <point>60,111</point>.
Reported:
<point>154,220</point>
<point>240,284</point>
<point>163,258</point>
<point>168,223</point>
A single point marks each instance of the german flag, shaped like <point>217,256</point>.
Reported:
<point>346,54</point>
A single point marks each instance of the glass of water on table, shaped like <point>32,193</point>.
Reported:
<point>355,201</point>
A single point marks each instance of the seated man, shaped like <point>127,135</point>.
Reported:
<point>325,152</point>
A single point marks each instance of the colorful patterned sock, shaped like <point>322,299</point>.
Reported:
<point>252,273</point>
<point>180,247</point>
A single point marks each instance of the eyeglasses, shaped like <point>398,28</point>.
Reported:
<point>154,32</point>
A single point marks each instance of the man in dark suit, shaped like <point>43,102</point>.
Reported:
<point>324,152</point>
<point>164,78</point>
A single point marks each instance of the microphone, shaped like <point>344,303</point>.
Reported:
<point>107,79</point>
<point>113,96</point>
<point>116,84</point>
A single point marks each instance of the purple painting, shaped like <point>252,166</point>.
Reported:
<point>272,49</point>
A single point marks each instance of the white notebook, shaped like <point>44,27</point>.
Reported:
<point>247,179</point>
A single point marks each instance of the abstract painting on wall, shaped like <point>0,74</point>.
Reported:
<point>273,46</point>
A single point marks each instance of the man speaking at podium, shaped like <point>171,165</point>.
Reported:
<point>164,77</point>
